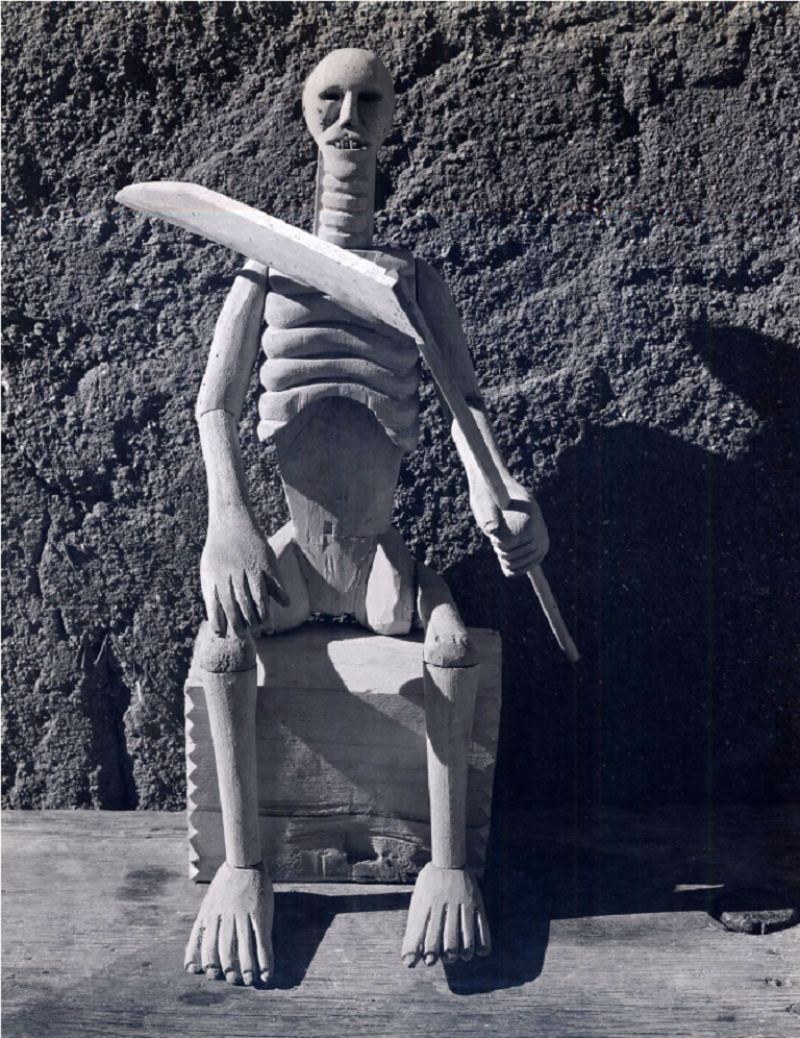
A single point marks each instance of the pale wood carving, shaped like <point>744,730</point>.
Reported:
<point>341,744</point>
<point>346,326</point>
<point>385,301</point>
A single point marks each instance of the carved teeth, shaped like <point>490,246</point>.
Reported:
<point>348,145</point>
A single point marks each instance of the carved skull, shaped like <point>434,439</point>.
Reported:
<point>348,103</point>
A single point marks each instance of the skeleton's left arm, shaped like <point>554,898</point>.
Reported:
<point>518,534</point>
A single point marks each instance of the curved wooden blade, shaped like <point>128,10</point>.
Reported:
<point>358,284</point>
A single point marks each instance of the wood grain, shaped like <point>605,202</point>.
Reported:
<point>590,937</point>
<point>342,774</point>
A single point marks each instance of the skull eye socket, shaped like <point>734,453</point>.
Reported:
<point>369,97</point>
<point>330,95</point>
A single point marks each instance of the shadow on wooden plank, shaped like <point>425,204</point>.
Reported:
<point>302,920</point>
<point>520,924</point>
<point>519,920</point>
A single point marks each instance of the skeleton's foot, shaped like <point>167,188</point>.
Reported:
<point>232,936</point>
<point>446,919</point>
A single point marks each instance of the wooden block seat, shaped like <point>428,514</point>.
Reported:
<point>341,751</point>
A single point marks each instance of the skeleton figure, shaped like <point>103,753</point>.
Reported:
<point>341,404</point>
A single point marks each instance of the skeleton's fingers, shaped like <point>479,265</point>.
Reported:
<point>246,604</point>
<point>512,546</point>
<point>227,954</point>
<point>214,611</point>
<point>492,523</point>
<point>233,613</point>
<point>275,590</point>
<point>220,618</point>
<point>261,932</point>
<point>264,608</point>
<point>516,551</point>
<point>467,933</point>
<point>244,945</point>
<point>209,955</point>
<point>258,591</point>
<point>191,959</point>
<point>523,564</point>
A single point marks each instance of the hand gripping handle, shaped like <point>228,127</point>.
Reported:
<point>429,349</point>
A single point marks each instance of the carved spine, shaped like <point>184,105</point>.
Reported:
<point>345,206</point>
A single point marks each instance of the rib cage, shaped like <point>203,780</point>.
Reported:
<point>316,349</point>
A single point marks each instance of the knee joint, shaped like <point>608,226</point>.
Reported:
<point>448,645</point>
<point>223,655</point>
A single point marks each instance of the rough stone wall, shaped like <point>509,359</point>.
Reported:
<point>610,191</point>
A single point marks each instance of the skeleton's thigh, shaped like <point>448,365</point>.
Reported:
<point>290,575</point>
<point>388,604</point>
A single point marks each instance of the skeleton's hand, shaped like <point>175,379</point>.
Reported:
<point>518,534</point>
<point>238,573</point>
<point>233,931</point>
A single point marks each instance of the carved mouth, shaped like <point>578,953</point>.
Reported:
<point>347,144</point>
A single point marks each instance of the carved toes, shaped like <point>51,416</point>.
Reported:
<point>483,944</point>
<point>209,947</point>
<point>416,926</point>
<point>446,919</point>
<point>262,934</point>
<point>467,934</point>
<point>236,947</point>
<point>452,934</point>
<point>227,952</point>
<point>433,936</point>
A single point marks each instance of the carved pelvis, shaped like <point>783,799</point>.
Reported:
<point>372,578</point>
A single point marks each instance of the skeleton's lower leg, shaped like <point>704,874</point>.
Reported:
<point>451,682</point>
<point>233,930</point>
<point>230,689</point>
<point>449,710</point>
<point>446,918</point>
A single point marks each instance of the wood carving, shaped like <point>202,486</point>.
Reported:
<point>341,752</point>
<point>345,327</point>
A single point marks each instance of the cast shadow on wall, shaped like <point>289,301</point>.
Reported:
<point>681,572</point>
<point>682,569</point>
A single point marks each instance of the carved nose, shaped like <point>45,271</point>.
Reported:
<point>349,114</point>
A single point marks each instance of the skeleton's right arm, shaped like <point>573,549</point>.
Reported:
<point>219,404</point>
<point>235,347</point>
<point>238,567</point>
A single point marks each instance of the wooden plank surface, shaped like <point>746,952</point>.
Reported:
<point>342,772</point>
<point>600,931</point>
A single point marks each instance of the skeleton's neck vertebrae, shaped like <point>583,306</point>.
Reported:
<point>345,203</point>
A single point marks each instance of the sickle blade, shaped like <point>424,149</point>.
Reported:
<point>359,285</point>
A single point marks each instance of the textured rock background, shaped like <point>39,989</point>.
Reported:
<point>610,191</point>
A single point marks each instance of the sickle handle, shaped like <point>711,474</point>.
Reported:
<point>553,613</point>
